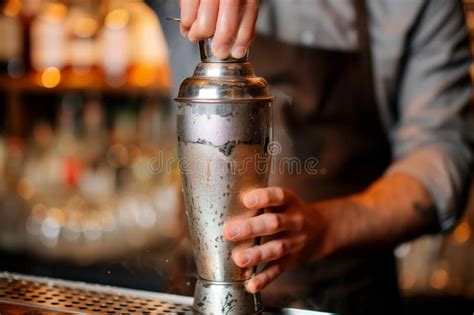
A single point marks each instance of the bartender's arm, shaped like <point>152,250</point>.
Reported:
<point>393,209</point>
<point>422,188</point>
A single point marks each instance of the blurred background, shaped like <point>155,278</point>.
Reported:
<point>89,185</point>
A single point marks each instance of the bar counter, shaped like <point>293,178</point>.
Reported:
<point>22,294</point>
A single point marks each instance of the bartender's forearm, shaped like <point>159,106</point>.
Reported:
<point>394,209</point>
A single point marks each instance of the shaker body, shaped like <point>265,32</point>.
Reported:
<point>223,153</point>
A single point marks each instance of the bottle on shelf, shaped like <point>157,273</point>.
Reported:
<point>115,43</point>
<point>97,179</point>
<point>149,53</point>
<point>30,9</point>
<point>11,44</point>
<point>49,43</point>
<point>67,146</point>
<point>83,25</point>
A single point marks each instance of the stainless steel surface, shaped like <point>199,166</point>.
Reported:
<point>172,18</point>
<point>208,56</point>
<point>233,83</point>
<point>224,81</point>
<point>74,297</point>
<point>60,296</point>
<point>227,298</point>
<point>224,128</point>
<point>220,146</point>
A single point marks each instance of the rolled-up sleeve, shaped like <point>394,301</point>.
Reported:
<point>431,137</point>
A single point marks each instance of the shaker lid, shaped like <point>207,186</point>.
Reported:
<point>222,80</point>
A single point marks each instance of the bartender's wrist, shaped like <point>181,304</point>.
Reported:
<point>344,222</point>
<point>394,209</point>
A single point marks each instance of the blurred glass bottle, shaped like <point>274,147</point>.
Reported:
<point>30,8</point>
<point>83,25</point>
<point>40,164</point>
<point>11,214</point>
<point>3,157</point>
<point>94,135</point>
<point>11,43</point>
<point>149,51</point>
<point>115,43</point>
<point>67,144</point>
<point>97,179</point>
<point>49,42</point>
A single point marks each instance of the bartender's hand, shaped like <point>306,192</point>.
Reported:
<point>296,233</point>
<point>393,209</point>
<point>231,22</point>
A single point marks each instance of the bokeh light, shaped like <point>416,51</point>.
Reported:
<point>51,77</point>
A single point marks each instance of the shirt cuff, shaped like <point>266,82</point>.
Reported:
<point>444,173</point>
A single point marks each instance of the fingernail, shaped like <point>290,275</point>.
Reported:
<point>193,39</point>
<point>239,52</point>
<point>244,259</point>
<point>233,231</point>
<point>250,200</point>
<point>251,286</point>
<point>223,51</point>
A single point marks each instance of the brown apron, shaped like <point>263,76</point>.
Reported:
<point>325,108</point>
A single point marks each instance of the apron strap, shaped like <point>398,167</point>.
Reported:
<point>362,25</point>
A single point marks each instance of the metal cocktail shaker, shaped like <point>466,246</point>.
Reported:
<point>224,128</point>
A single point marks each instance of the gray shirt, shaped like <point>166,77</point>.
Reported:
<point>421,62</point>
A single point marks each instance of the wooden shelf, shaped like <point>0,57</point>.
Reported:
<point>90,84</point>
<point>30,84</point>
